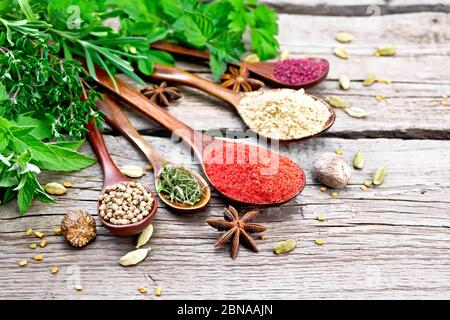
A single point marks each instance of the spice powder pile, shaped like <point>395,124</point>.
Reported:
<point>283,114</point>
<point>252,174</point>
<point>300,71</point>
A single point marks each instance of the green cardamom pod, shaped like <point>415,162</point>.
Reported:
<point>379,175</point>
<point>358,160</point>
<point>340,52</point>
<point>284,246</point>
<point>344,82</point>
<point>386,51</point>
<point>344,37</point>
<point>336,102</point>
<point>369,80</point>
<point>134,257</point>
<point>356,112</point>
<point>145,235</point>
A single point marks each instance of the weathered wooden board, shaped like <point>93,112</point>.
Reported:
<point>357,7</point>
<point>371,237</point>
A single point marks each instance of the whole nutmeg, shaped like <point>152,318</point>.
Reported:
<point>78,227</point>
<point>332,170</point>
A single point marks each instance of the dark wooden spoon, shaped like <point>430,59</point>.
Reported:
<point>113,176</point>
<point>119,121</point>
<point>263,70</point>
<point>176,75</point>
<point>196,141</point>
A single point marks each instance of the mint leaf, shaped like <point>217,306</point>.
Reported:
<point>264,44</point>
<point>25,194</point>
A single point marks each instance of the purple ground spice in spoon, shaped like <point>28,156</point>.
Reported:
<point>300,71</point>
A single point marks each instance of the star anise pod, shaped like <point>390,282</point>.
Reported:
<point>238,229</point>
<point>239,80</point>
<point>162,94</point>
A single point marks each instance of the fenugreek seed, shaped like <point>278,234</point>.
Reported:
<point>78,287</point>
<point>358,160</point>
<point>444,96</point>
<point>321,218</point>
<point>384,81</point>
<point>369,80</point>
<point>149,167</point>
<point>23,263</point>
<point>344,82</point>
<point>55,189</point>
<point>284,55</point>
<point>263,236</point>
<point>158,291</point>
<point>344,37</point>
<point>380,98</point>
<point>252,58</point>
<point>356,112</point>
<point>444,103</point>
<point>43,243</point>
<point>334,194</point>
<point>67,184</point>
<point>54,270</point>
<point>33,246</point>
<point>319,242</point>
<point>58,231</point>
<point>368,184</point>
<point>29,232</point>
<point>386,51</point>
<point>364,188</point>
<point>339,151</point>
<point>323,189</point>
<point>142,289</point>
<point>379,175</point>
<point>341,52</point>
<point>38,257</point>
<point>336,102</point>
<point>284,246</point>
<point>39,234</point>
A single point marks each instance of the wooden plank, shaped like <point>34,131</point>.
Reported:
<point>357,7</point>
<point>371,237</point>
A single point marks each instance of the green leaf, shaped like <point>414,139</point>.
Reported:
<point>3,93</point>
<point>154,56</point>
<point>264,44</point>
<point>26,9</point>
<point>25,194</point>
<point>72,145</point>
<point>42,128</point>
<point>195,28</point>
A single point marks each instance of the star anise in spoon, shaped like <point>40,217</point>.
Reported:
<point>162,94</point>
<point>238,229</point>
<point>239,80</point>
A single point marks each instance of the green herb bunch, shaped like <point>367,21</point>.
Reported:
<point>218,26</point>
<point>179,184</point>
<point>23,155</point>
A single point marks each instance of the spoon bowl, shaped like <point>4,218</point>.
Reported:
<point>119,121</point>
<point>263,70</point>
<point>112,176</point>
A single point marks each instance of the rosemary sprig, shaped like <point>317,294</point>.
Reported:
<point>178,184</point>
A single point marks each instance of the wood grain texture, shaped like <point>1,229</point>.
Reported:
<point>371,237</point>
<point>387,242</point>
<point>357,7</point>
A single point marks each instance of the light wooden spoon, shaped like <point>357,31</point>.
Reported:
<point>176,75</point>
<point>119,121</point>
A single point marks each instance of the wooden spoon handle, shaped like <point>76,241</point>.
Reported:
<point>175,75</point>
<point>119,121</point>
<point>195,140</point>
<point>111,174</point>
<point>180,51</point>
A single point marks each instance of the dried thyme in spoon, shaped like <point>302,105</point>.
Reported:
<point>179,184</point>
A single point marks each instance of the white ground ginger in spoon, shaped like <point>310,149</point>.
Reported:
<point>283,114</point>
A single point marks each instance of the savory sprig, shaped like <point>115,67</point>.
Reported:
<point>179,184</point>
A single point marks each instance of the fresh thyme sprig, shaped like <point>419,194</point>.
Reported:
<point>179,184</point>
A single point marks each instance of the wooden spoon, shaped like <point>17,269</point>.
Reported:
<point>119,121</point>
<point>195,140</point>
<point>176,75</point>
<point>264,70</point>
<point>113,176</point>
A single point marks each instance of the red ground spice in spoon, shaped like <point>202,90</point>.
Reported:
<point>300,71</point>
<point>252,174</point>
